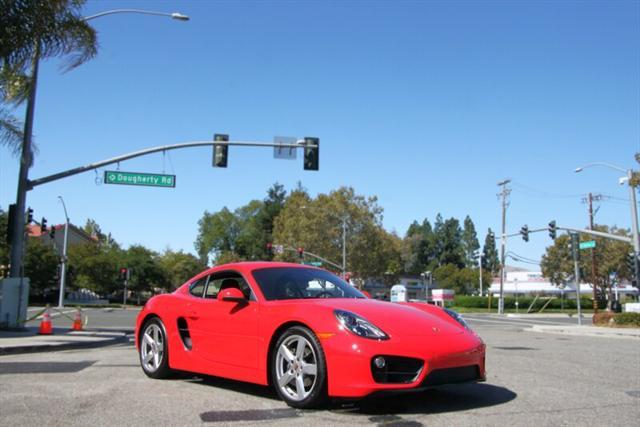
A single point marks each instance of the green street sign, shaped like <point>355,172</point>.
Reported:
<point>135,178</point>
<point>588,245</point>
<point>313,263</point>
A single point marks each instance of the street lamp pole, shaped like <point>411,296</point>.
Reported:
<point>344,246</point>
<point>63,267</point>
<point>632,198</point>
<point>480,268</point>
<point>17,233</point>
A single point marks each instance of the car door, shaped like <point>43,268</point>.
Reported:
<point>228,331</point>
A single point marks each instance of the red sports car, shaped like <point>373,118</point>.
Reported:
<point>306,332</point>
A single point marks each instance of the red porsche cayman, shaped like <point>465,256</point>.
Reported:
<point>305,331</point>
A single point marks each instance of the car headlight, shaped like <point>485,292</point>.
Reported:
<point>359,325</point>
<point>457,317</point>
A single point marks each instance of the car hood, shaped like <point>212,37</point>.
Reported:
<point>396,319</point>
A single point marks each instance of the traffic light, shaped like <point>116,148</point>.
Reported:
<point>525,232</point>
<point>43,225</point>
<point>52,232</point>
<point>574,245</point>
<point>124,273</point>
<point>311,153</point>
<point>270,250</point>
<point>29,216</point>
<point>553,229</point>
<point>220,151</point>
<point>632,265</point>
<point>301,253</point>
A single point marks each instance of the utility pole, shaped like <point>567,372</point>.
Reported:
<point>575,249</point>
<point>503,239</point>
<point>594,263</point>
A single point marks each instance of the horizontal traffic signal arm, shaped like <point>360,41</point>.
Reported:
<point>578,230</point>
<point>300,143</point>
<point>311,254</point>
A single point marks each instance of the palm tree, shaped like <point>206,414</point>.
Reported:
<point>31,30</point>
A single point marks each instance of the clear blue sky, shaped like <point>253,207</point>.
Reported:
<point>426,105</point>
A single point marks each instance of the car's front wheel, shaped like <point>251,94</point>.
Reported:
<point>154,357</point>
<point>299,371</point>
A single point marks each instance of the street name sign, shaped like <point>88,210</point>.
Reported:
<point>135,178</point>
<point>313,263</point>
<point>288,153</point>
<point>588,244</point>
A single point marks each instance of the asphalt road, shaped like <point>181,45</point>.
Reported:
<point>533,379</point>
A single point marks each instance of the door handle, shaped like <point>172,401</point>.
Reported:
<point>192,313</point>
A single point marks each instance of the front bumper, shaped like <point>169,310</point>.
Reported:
<point>446,359</point>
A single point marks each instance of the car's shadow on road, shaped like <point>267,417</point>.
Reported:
<point>218,382</point>
<point>451,398</point>
<point>443,399</point>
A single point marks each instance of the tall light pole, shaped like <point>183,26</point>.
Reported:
<point>344,246</point>
<point>503,240</point>
<point>632,197</point>
<point>480,268</point>
<point>63,263</point>
<point>17,233</point>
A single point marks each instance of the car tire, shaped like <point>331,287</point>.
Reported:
<point>154,354</point>
<point>298,369</point>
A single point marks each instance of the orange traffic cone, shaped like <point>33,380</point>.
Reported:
<point>77,321</point>
<point>46,328</point>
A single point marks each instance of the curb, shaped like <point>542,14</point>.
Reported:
<point>587,331</point>
<point>38,348</point>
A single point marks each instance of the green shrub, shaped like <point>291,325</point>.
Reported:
<point>631,319</point>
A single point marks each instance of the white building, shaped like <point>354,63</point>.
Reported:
<point>533,283</point>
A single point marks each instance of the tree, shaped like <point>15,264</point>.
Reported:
<point>31,30</point>
<point>557,263</point>
<point>179,267</point>
<point>96,267</point>
<point>146,271</point>
<point>317,226</point>
<point>41,263</point>
<point>242,234</point>
<point>418,248</point>
<point>217,234</point>
<point>449,237</point>
<point>4,244</point>
<point>470,243</point>
<point>490,261</point>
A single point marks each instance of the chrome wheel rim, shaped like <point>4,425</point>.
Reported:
<point>296,368</point>
<point>152,348</point>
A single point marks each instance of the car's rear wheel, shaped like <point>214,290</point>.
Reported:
<point>154,357</point>
<point>298,368</point>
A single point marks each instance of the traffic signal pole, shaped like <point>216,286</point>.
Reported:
<point>301,143</point>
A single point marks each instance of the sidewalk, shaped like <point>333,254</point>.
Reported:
<point>28,341</point>
<point>589,331</point>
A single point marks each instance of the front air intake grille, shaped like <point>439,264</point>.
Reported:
<point>397,370</point>
<point>462,374</point>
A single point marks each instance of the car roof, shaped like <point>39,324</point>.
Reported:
<point>247,266</point>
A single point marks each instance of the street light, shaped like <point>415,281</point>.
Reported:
<point>63,263</point>
<point>632,197</point>
<point>17,236</point>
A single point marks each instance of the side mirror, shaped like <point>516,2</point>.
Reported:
<point>232,295</point>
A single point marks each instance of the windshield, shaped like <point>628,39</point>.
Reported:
<point>282,283</point>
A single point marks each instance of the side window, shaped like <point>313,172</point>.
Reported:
<point>213,288</point>
<point>197,288</point>
<point>225,280</point>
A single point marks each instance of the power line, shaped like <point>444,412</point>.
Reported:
<point>541,193</point>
